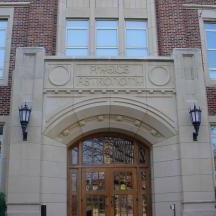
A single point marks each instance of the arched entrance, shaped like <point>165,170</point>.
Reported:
<point>109,175</point>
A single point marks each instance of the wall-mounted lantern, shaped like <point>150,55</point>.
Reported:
<point>195,114</point>
<point>24,115</point>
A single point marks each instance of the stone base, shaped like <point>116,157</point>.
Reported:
<point>202,209</point>
<point>23,210</point>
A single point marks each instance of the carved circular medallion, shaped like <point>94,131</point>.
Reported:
<point>59,76</point>
<point>159,76</point>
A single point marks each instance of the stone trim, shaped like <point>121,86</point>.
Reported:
<point>14,4</point>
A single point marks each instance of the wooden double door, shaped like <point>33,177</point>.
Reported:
<point>104,187</point>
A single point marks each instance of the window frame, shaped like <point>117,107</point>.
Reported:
<point>7,14</point>
<point>79,28</point>
<point>146,34</point>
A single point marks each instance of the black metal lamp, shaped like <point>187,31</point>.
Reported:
<point>195,114</point>
<point>24,115</point>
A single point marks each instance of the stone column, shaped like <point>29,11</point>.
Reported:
<point>195,156</point>
<point>23,192</point>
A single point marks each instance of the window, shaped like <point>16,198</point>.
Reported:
<point>213,142</point>
<point>106,38</point>
<point>136,38</point>
<point>3,36</point>
<point>77,37</point>
<point>210,31</point>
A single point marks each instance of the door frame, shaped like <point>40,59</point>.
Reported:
<point>80,167</point>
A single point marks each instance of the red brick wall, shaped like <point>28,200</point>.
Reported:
<point>33,26</point>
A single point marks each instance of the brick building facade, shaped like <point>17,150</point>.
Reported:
<point>111,100</point>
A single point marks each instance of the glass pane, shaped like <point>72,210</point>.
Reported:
<point>74,204</point>
<point>77,38</point>
<point>137,52</point>
<point>107,52</point>
<point>2,38</point>
<point>136,24</point>
<point>95,181</point>
<point>212,74</point>
<point>108,150</point>
<point>211,39</point>
<point>123,205</point>
<point>212,59</point>
<point>95,206</point>
<point>106,24</point>
<point>1,73</point>
<point>136,38</point>
<point>123,181</point>
<point>74,155</point>
<point>74,181</point>
<point>2,58</point>
<point>76,52</point>
<point>210,26</point>
<point>77,24</point>
<point>106,38</point>
<point>3,24</point>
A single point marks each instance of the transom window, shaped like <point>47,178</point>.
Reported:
<point>3,35</point>
<point>77,37</point>
<point>136,38</point>
<point>210,30</point>
<point>106,38</point>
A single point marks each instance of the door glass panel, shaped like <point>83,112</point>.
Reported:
<point>123,181</point>
<point>123,205</point>
<point>142,155</point>
<point>95,181</point>
<point>144,206</point>
<point>95,206</point>
<point>143,180</point>
<point>74,181</point>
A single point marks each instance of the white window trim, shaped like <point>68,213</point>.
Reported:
<point>107,28</point>
<point>147,36</point>
<point>7,13</point>
<point>206,15</point>
<point>81,28</point>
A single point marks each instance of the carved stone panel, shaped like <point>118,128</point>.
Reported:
<point>109,76</point>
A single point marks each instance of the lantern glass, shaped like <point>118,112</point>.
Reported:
<point>24,113</point>
<point>195,115</point>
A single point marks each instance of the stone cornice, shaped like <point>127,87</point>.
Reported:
<point>15,4</point>
<point>109,91</point>
<point>199,6</point>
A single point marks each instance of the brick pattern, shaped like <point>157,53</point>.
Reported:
<point>32,26</point>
